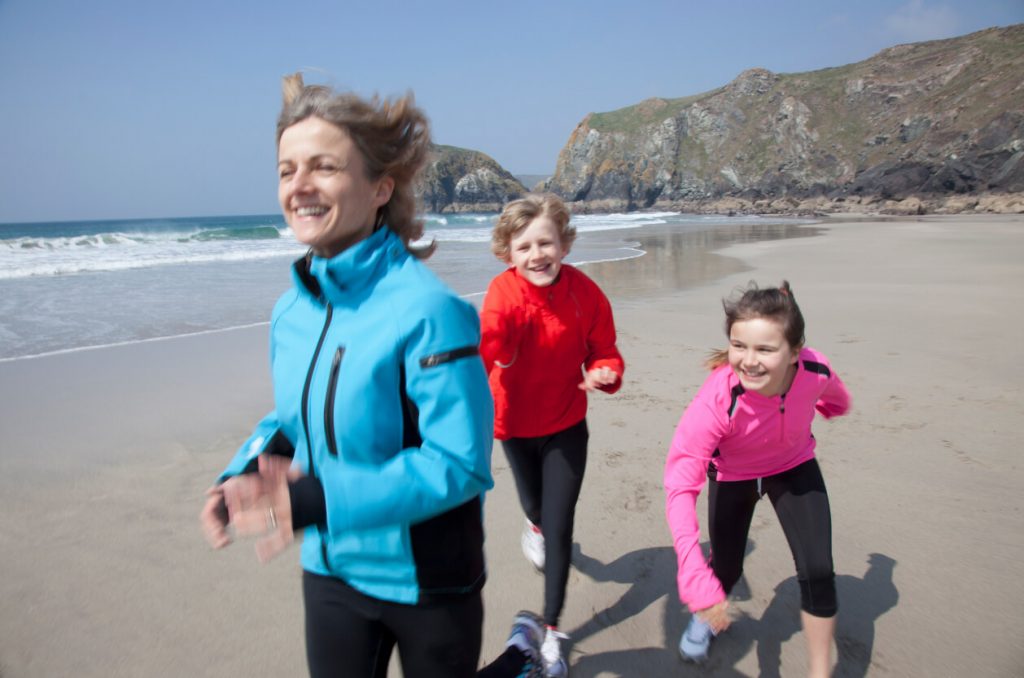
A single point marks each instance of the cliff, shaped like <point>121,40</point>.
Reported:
<point>927,122</point>
<point>462,180</point>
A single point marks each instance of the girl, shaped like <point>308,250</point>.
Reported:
<point>749,431</point>
<point>547,338</point>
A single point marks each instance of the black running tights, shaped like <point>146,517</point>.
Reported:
<point>352,635</point>
<point>801,503</point>
<point>549,474</point>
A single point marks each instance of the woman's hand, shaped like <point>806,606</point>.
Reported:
<point>597,378</point>
<point>716,616</point>
<point>259,504</point>
<point>214,518</point>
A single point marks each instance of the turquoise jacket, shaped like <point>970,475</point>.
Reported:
<point>380,394</point>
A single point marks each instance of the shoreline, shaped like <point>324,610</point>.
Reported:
<point>106,455</point>
<point>958,204</point>
<point>233,295</point>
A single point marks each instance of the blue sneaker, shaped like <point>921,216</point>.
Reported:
<point>696,640</point>
<point>527,635</point>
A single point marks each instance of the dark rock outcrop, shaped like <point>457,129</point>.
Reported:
<point>928,120</point>
<point>462,180</point>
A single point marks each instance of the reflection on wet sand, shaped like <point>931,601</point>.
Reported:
<point>675,259</point>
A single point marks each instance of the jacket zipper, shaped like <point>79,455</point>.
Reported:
<point>305,420</point>
<point>782,418</point>
<point>332,385</point>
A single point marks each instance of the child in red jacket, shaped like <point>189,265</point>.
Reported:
<point>548,337</point>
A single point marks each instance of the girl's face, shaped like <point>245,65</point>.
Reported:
<point>326,198</point>
<point>760,356</point>
<point>536,252</point>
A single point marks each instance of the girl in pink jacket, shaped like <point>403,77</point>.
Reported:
<point>748,430</point>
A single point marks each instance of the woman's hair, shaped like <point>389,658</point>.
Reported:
<point>392,136</point>
<point>520,213</point>
<point>771,303</point>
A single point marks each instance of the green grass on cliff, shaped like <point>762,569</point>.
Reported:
<point>825,92</point>
<point>635,118</point>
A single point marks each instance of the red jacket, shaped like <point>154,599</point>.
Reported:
<point>536,342</point>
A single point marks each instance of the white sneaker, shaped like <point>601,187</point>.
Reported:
<point>533,545</point>
<point>555,665</point>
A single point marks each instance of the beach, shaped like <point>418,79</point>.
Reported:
<point>105,455</point>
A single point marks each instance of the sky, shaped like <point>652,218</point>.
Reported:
<point>114,109</point>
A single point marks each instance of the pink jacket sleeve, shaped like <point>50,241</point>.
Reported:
<point>695,440</point>
<point>835,400</point>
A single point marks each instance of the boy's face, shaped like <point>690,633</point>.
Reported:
<point>536,252</point>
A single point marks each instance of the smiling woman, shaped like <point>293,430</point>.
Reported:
<point>378,447</point>
<point>384,467</point>
<point>366,151</point>
<point>324,191</point>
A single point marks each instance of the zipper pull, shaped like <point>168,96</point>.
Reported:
<point>782,403</point>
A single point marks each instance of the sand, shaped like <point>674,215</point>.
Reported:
<point>104,456</point>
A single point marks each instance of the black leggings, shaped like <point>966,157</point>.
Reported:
<point>549,474</point>
<point>801,503</point>
<point>351,634</point>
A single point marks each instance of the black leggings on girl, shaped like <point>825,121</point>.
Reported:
<point>549,473</point>
<point>801,503</point>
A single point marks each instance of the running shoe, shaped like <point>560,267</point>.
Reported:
<point>533,545</point>
<point>527,635</point>
<point>555,665</point>
<point>696,640</point>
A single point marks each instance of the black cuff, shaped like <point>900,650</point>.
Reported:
<point>309,507</point>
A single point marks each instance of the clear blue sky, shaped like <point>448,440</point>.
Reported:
<point>123,109</point>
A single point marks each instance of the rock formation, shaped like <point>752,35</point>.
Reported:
<point>462,180</point>
<point>940,123</point>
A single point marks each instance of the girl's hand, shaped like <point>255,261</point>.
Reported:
<point>716,616</point>
<point>597,378</point>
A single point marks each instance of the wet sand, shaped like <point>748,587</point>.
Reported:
<point>104,456</point>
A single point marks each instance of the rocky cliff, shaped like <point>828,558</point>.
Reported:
<point>462,180</point>
<point>914,122</point>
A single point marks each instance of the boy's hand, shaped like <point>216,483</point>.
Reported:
<point>598,378</point>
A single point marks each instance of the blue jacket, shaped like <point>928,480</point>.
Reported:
<point>380,394</point>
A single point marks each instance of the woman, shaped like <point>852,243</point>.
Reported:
<point>378,447</point>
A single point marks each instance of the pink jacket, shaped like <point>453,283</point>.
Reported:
<point>754,436</point>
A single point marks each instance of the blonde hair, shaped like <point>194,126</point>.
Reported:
<point>771,303</point>
<point>520,213</point>
<point>393,137</point>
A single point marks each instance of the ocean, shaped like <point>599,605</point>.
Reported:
<point>67,286</point>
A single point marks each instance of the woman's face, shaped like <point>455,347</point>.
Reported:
<point>760,355</point>
<point>326,198</point>
<point>537,251</point>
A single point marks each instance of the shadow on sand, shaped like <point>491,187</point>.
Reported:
<point>652,573</point>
